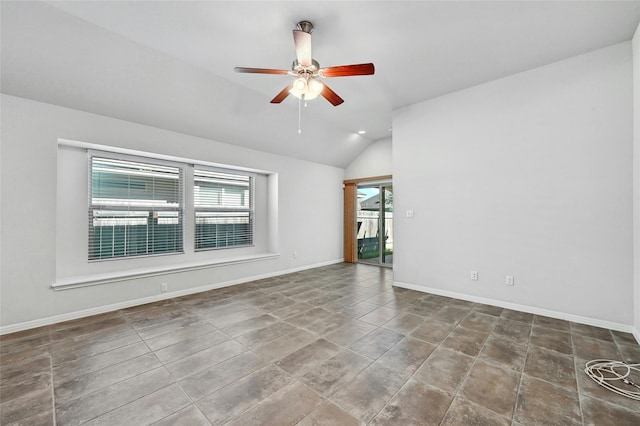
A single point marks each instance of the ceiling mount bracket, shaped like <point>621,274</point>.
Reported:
<point>305,26</point>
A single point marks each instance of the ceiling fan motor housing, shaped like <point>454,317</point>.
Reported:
<point>311,69</point>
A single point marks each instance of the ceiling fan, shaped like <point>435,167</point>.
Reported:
<point>307,84</point>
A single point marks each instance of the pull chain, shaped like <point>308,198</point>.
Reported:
<point>299,115</point>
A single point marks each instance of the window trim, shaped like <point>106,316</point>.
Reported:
<point>170,158</point>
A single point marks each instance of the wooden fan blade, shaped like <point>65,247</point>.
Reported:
<point>282,95</point>
<point>302,41</point>
<point>347,70</point>
<point>260,71</point>
<point>331,96</point>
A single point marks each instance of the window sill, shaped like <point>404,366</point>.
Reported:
<point>98,279</point>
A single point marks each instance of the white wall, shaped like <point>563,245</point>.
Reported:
<point>636,178</point>
<point>307,193</point>
<point>375,160</point>
<point>529,175</point>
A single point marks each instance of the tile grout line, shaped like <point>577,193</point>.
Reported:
<point>524,364</point>
<point>575,359</point>
<point>53,389</point>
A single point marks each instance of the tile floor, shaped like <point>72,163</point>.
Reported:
<point>336,345</point>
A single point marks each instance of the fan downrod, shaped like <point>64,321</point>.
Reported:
<point>305,26</point>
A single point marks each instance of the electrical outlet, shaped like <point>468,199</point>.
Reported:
<point>474,275</point>
<point>163,287</point>
<point>509,280</point>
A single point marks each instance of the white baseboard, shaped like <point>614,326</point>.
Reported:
<point>524,308</point>
<point>12,328</point>
<point>636,334</point>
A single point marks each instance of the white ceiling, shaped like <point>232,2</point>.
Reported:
<point>169,64</point>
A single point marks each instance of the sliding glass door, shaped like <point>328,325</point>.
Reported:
<point>375,223</point>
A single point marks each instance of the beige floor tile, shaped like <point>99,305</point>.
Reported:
<point>504,352</point>
<point>308,357</point>
<point>231,401</point>
<point>404,323</point>
<point>335,372</point>
<point>587,348</point>
<point>463,412</point>
<point>550,338</point>
<point>376,343</point>
<point>597,412</point>
<point>416,404</point>
<point>190,346</point>
<point>265,335</point>
<point>542,403</point>
<point>551,366</point>
<point>408,355</point>
<point>327,414</point>
<point>85,365</point>
<point>282,346</point>
<point>445,369</point>
<point>515,331</point>
<point>432,331</point>
<point>188,416</point>
<point>22,409</point>
<point>212,379</point>
<point>369,391</point>
<point>287,406</point>
<point>204,359</point>
<point>94,381</point>
<point>100,402</point>
<point>350,333</point>
<point>290,350</point>
<point>492,387</point>
<point>465,340</point>
<point>146,410</point>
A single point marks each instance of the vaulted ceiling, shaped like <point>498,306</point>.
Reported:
<point>169,64</point>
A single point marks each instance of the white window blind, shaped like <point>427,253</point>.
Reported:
<point>223,202</point>
<point>135,209</point>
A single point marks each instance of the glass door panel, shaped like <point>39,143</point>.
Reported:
<point>387,225</point>
<point>368,224</point>
<point>375,224</point>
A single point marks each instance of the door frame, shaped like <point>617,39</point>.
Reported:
<point>350,214</point>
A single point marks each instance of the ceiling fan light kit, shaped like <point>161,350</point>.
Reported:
<point>306,89</point>
<point>307,71</point>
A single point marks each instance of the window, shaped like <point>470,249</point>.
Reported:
<point>136,207</point>
<point>223,203</point>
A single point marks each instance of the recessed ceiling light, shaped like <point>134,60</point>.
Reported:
<point>362,132</point>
